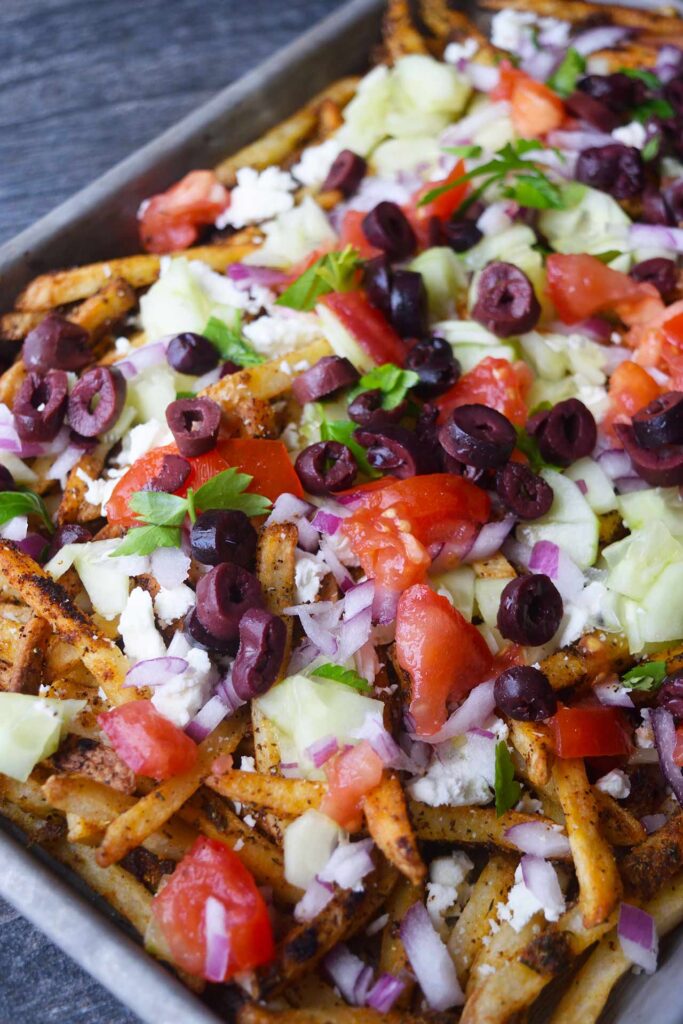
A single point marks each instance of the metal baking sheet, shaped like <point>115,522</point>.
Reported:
<point>99,223</point>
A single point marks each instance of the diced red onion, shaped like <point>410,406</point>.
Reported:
<point>217,940</point>
<point>342,576</point>
<point>226,693</point>
<point>326,522</point>
<point>603,37</point>
<point>244,276</point>
<point>578,140</point>
<point>541,880</point>
<point>616,464</point>
<point>155,671</point>
<point>15,528</point>
<point>669,62</point>
<point>384,993</point>
<point>317,633</point>
<point>349,863</point>
<point>489,540</point>
<point>485,734</point>
<point>664,729</point>
<point>350,501</point>
<point>322,750</point>
<point>169,567</point>
<point>517,552</point>
<point>540,64</point>
<point>481,76</point>
<point>313,901</point>
<point>142,358</point>
<point>383,743</point>
<point>290,509</point>
<point>613,695</point>
<point>430,960</point>
<point>495,218</point>
<point>302,656</point>
<point>583,486</point>
<point>35,449</point>
<point>354,634</point>
<point>65,462</point>
<point>477,707</point>
<point>539,838</point>
<point>207,719</point>
<point>33,545</point>
<point>594,327</point>
<point>9,439</point>
<point>464,130</point>
<point>352,977</point>
<point>358,598</point>
<point>320,622</point>
<point>653,822</point>
<point>552,561</point>
<point>366,661</point>
<point>656,236</point>
<point>457,549</point>
<point>638,937</point>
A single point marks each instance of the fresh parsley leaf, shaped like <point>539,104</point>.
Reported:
<point>607,257</point>
<point>158,508</point>
<point>464,151</point>
<point>230,343</point>
<point>529,446</point>
<point>23,503</point>
<point>144,540</point>
<point>333,272</point>
<point>645,677</point>
<point>651,148</point>
<point>651,80</point>
<point>391,380</point>
<point>507,789</point>
<point>653,108</point>
<point>228,490</point>
<point>564,80</point>
<point>185,394</point>
<point>347,676</point>
<point>342,431</point>
<point>535,191</point>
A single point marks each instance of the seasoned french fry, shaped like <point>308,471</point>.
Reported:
<point>267,380</point>
<point>73,507</point>
<point>578,11</point>
<point>10,382</point>
<point>617,824</point>
<point>149,813</point>
<point>532,741</point>
<point>491,887</point>
<point>652,862</point>
<point>504,945</point>
<point>28,670</point>
<point>392,957</point>
<point>290,796</point>
<point>596,869</point>
<point>476,825</point>
<point>495,568</point>
<point>15,326</point>
<point>28,795</point>
<point>388,823</point>
<point>275,564</point>
<point>252,1013</point>
<point>592,654</point>
<point>99,313</point>
<point>399,34</point>
<point>447,24</point>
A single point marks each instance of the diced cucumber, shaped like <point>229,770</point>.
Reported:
<point>469,355</point>
<point>595,224</point>
<point>459,586</point>
<point>465,332</point>
<point>656,504</point>
<point>31,729</point>
<point>636,562</point>
<point>342,341</point>
<point>444,278</point>
<point>105,579</point>
<point>600,494</point>
<point>545,361</point>
<point>395,155</point>
<point>151,392</point>
<point>308,845</point>
<point>658,616</point>
<point>570,523</point>
<point>487,595</point>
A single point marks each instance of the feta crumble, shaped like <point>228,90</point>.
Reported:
<point>616,783</point>
<point>258,196</point>
<point>180,698</point>
<point>455,52</point>
<point>173,603</point>
<point>315,163</point>
<point>141,639</point>
<point>522,905</point>
<point>447,888</point>
<point>632,134</point>
<point>461,773</point>
<point>517,31</point>
<point>282,332</point>
<point>309,572</point>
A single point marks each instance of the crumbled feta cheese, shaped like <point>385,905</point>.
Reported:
<point>632,134</point>
<point>249,820</point>
<point>171,604</point>
<point>221,290</point>
<point>183,695</point>
<point>309,572</point>
<point>247,764</point>
<point>258,196</point>
<point>341,546</point>
<point>461,773</point>
<point>447,886</point>
<point>593,608</point>
<point>141,640</point>
<point>122,346</point>
<point>522,905</point>
<point>616,783</point>
<point>455,52</point>
<point>524,31</point>
<point>529,804</point>
<point>282,332</point>
<point>645,737</point>
<point>141,439</point>
<point>315,163</point>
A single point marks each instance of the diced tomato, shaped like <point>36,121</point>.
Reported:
<point>368,326</point>
<point>494,382</point>
<point>630,388</point>
<point>445,205</point>
<point>268,463</point>
<point>147,741</point>
<point>211,869</point>
<point>171,220</point>
<point>589,732</point>
<point>352,233</point>
<point>678,748</point>
<point>535,109</point>
<point>351,775</point>
<point>581,285</point>
<point>444,654</point>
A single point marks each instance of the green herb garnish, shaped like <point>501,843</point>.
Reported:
<point>342,431</point>
<point>333,272</point>
<point>507,789</point>
<point>347,676</point>
<point>529,446</point>
<point>391,380</point>
<point>645,677</point>
<point>653,108</point>
<point>651,148</point>
<point>23,503</point>
<point>230,342</point>
<point>648,77</point>
<point>564,80</point>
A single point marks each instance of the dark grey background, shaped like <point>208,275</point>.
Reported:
<point>82,84</point>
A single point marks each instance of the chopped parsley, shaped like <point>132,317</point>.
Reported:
<point>230,342</point>
<point>646,677</point>
<point>339,674</point>
<point>391,380</point>
<point>564,80</point>
<point>333,272</point>
<point>507,789</point>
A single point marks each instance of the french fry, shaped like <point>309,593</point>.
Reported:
<point>252,1013</point>
<point>73,507</point>
<point>267,380</point>
<point>578,11</point>
<point>15,326</point>
<point>152,811</point>
<point>10,382</point>
<point>475,825</point>
<point>596,869</point>
<point>28,669</point>
<point>64,286</point>
<point>447,24</point>
<point>99,313</point>
<point>495,568</point>
<point>647,866</point>
<point>392,957</point>
<point>399,34</point>
<point>590,655</point>
<point>28,796</point>
<point>284,139</point>
<point>48,600</point>
<point>532,742</point>
<point>491,887</point>
<point>388,823</point>
<point>503,946</point>
<point>290,796</point>
<point>617,824</point>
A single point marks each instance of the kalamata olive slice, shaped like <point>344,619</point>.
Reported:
<point>462,235</point>
<point>673,93</point>
<point>478,436</point>
<point>661,467</point>
<point>391,449</point>
<point>530,610</point>
<point>523,492</point>
<point>195,423</point>
<point>506,301</point>
<point>674,198</point>
<point>432,359</point>
<point>56,344</point>
<point>198,636</point>
<point>223,535</point>
<point>408,303</point>
<point>670,695</point>
<point>388,228</point>
<point>568,433</point>
<point>6,479</point>
<point>70,533</point>
<point>614,168</point>
<point>192,354</point>
<point>228,368</point>
<point>661,421</point>
<point>40,405</point>
<point>326,467</point>
<point>654,206</point>
<point>594,112</point>
<point>262,641</point>
<point>377,278</point>
<point>224,594</point>
<point>329,375</point>
<point>618,91</point>
<point>366,410</point>
<point>171,475</point>
<point>660,272</point>
<point>346,173</point>
<point>96,401</point>
<point>524,693</point>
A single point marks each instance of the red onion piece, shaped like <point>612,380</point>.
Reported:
<point>576,141</point>
<point>290,769</point>
<point>142,358</point>
<point>169,567</point>
<point>385,604</point>
<point>613,695</point>
<point>352,977</point>
<point>322,750</point>
<point>653,822</point>
<point>348,864</point>
<point>155,671</point>
<point>342,576</point>
<point>313,901</point>
<point>65,462</point>
<point>384,744</point>
<point>207,719</point>
<point>354,634</point>
<point>430,960</point>
<point>616,464</point>
<point>227,694</point>
<point>638,937</point>
<point>477,706</point>
<point>629,484</point>
<point>384,993</point>
<point>669,62</point>
<point>656,236</point>
<point>359,597</point>
<point>541,880</point>
<point>552,561</point>
<point>245,275</point>
<point>540,839</point>
<point>326,522</point>
<point>217,940</point>
<point>33,545</point>
<point>489,540</point>
<point>664,728</point>
<point>485,734</point>
<point>603,37</point>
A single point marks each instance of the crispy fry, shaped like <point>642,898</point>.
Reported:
<point>504,945</point>
<point>29,665</point>
<point>392,957</point>
<point>99,313</point>
<point>266,381</point>
<point>596,869</point>
<point>476,825</point>
<point>532,741</point>
<point>284,139</point>
<point>15,326</point>
<point>495,568</point>
<point>73,507</point>
<point>10,382</point>
<point>578,11</point>
<point>592,654</point>
<point>290,796</point>
<point>447,24</point>
<point>388,823</point>
<point>617,823</point>
<point>652,862</point>
<point>28,796</point>
<point>251,1013</point>
<point>399,33</point>
<point>491,888</point>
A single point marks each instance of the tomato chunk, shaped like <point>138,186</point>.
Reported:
<point>351,774</point>
<point>581,285</point>
<point>444,654</point>
<point>368,326</point>
<point>535,109</point>
<point>172,219</point>
<point>589,732</point>
<point>352,233</point>
<point>445,205</point>
<point>268,463</point>
<point>146,741</point>
<point>244,938</point>
<point>494,382</point>
<point>630,389</point>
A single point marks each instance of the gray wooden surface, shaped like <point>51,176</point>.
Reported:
<point>82,84</point>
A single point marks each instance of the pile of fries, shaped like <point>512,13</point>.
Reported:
<point>124,834</point>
